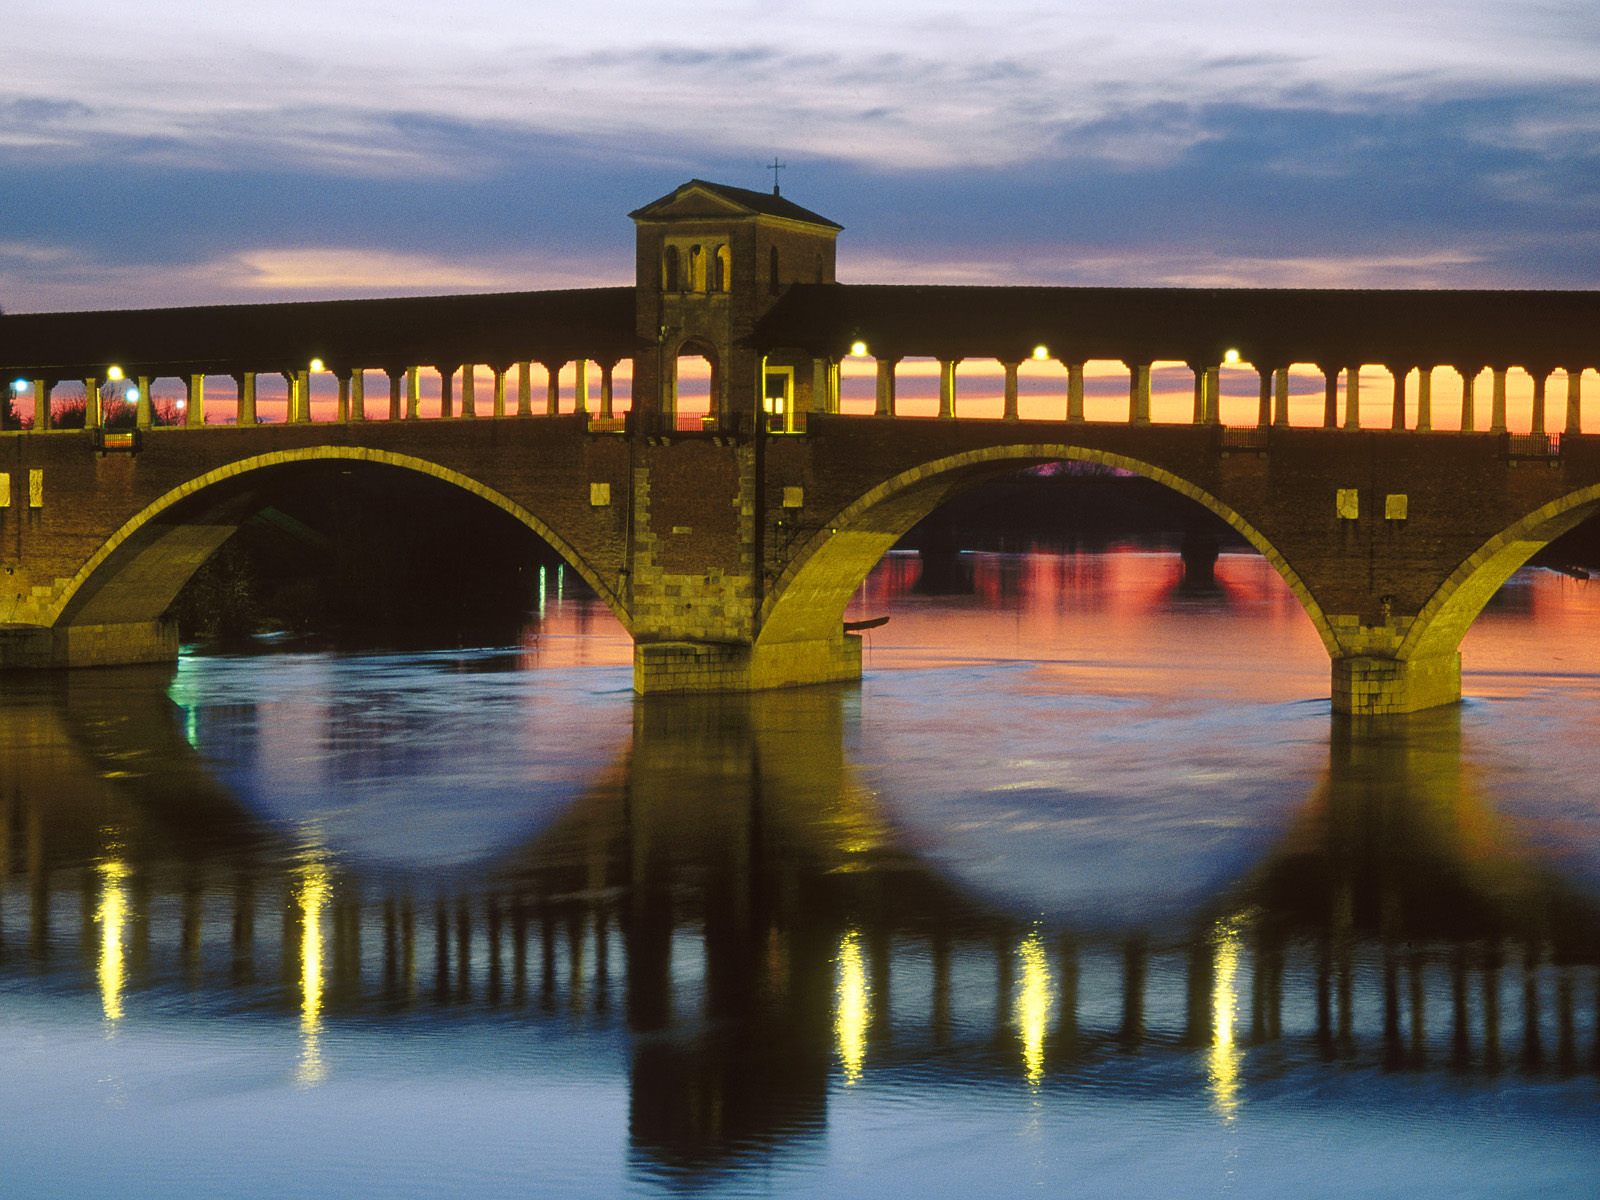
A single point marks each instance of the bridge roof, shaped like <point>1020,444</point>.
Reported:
<point>1268,326</point>
<point>496,329</point>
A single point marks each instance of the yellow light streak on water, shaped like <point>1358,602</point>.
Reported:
<point>1225,1052</point>
<point>112,915</point>
<point>315,887</point>
<point>851,1014</point>
<point>1035,997</point>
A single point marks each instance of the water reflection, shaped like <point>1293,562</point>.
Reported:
<point>725,908</point>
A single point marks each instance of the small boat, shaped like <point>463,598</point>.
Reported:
<point>857,626</point>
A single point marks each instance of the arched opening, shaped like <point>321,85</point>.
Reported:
<point>1171,392</point>
<point>671,270</point>
<point>696,385</point>
<point>721,269</point>
<point>807,603</point>
<point>1042,388</point>
<point>334,541</point>
<point>1105,390</point>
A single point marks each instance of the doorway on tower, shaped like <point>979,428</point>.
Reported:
<point>777,399</point>
<point>696,387</point>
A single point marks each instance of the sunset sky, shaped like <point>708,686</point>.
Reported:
<point>176,152</point>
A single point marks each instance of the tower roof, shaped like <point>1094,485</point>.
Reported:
<point>745,200</point>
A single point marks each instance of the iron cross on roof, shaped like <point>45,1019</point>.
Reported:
<point>775,166</point>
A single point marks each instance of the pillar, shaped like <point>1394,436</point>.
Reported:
<point>1264,402</point>
<point>396,393</point>
<point>246,387</point>
<point>1330,398</point>
<point>580,389</point>
<point>1213,396</point>
<point>1011,368</point>
<point>499,390</point>
<point>1352,397</point>
<point>358,395</point>
<point>1075,391</point>
<point>1199,394</point>
<point>1139,393</point>
<point>1497,402</point>
<point>469,390</point>
<point>342,412</point>
<point>301,397</point>
<point>1469,396</point>
<point>1574,400</point>
<point>413,393</point>
<point>608,391</point>
<point>194,408</point>
<point>144,410</point>
<point>1424,399</point>
<point>524,389</point>
<point>821,381</point>
<point>41,405</point>
<point>1397,419</point>
<point>91,403</point>
<point>552,388</point>
<point>885,405</point>
<point>1280,396</point>
<point>947,387</point>
<point>447,391</point>
<point>1540,378</point>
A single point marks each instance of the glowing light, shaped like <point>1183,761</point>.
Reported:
<point>1035,997</point>
<point>19,386</point>
<point>180,405</point>
<point>1223,1067</point>
<point>1040,353</point>
<point>317,364</point>
<point>851,1016</point>
<point>114,373</point>
<point>133,395</point>
<point>111,916</point>
<point>1231,357</point>
<point>858,349</point>
<point>312,898</point>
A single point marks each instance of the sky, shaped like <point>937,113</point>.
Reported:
<point>172,152</point>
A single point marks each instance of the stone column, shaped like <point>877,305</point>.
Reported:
<point>580,389</point>
<point>1497,402</point>
<point>1264,406</point>
<point>413,393</point>
<point>1075,391</point>
<point>821,382</point>
<point>1424,399</point>
<point>552,388</point>
<point>499,390</point>
<point>1330,398</point>
<point>358,395</point>
<point>302,396</point>
<point>1540,378</point>
<point>396,393</point>
<point>194,408</point>
<point>1011,369</point>
<point>144,412</point>
<point>1139,393</point>
<point>1397,419</point>
<point>1213,414</point>
<point>1280,396</point>
<point>1574,400</point>
<point>41,405</point>
<point>1199,394</point>
<point>91,403</point>
<point>1352,397</point>
<point>524,389</point>
<point>608,391</point>
<point>947,387</point>
<point>246,386</point>
<point>469,390</point>
<point>342,411</point>
<point>447,391</point>
<point>885,405</point>
<point>1469,396</point>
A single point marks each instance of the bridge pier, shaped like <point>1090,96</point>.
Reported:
<point>1365,685</point>
<point>40,647</point>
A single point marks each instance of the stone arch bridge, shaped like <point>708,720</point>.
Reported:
<point>729,546</point>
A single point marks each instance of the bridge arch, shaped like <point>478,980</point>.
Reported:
<point>807,601</point>
<point>155,567</point>
<point>1451,610</point>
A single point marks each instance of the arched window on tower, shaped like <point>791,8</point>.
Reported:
<point>721,264</point>
<point>772,280</point>
<point>697,270</point>
<point>671,277</point>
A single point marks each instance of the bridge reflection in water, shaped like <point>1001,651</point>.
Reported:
<point>728,906</point>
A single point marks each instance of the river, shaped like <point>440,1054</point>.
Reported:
<point>1083,890</point>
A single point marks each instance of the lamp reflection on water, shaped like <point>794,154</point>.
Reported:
<point>1223,1068</point>
<point>851,1014</point>
<point>312,898</point>
<point>112,915</point>
<point>1035,996</point>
